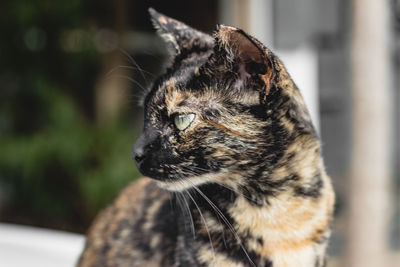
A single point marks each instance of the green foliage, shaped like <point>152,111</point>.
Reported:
<point>69,169</point>
<point>57,166</point>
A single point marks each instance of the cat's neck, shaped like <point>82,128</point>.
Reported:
<point>280,217</point>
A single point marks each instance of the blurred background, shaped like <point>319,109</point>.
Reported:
<point>72,73</point>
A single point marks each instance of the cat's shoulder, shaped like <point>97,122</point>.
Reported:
<point>138,195</point>
<point>131,215</point>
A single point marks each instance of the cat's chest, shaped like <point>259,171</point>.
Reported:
<point>287,231</point>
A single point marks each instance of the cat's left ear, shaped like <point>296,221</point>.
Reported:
<point>243,55</point>
<point>179,36</point>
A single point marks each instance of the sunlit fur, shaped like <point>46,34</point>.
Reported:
<point>243,185</point>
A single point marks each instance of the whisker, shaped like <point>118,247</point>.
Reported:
<point>134,63</point>
<point>170,200</point>
<point>187,213</point>
<point>204,222</point>
<point>188,170</point>
<point>234,191</point>
<point>128,67</point>
<point>219,212</point>
<point>128,78</point>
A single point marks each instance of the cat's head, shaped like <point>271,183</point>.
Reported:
<point>225,109</point>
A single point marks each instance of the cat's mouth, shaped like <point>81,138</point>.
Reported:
<point>182,184</point>
<point>175,177</point>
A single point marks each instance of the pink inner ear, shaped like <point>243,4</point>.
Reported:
<point>243,77</point>
<point>246,53</point>
<point>246,50</point>
<point>242,52</point>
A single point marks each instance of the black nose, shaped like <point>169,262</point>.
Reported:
<point>138,157</point>
<point>137,152</point>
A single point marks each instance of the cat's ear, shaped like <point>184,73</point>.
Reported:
<point>179,36</point>
<point>243,55</point>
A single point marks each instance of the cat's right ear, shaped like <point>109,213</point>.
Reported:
<point>241,54</point>
<point>180,37</point>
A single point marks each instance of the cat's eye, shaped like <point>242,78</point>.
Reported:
<point>182,121</point>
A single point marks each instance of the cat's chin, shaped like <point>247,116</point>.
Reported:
<point>186,183</point>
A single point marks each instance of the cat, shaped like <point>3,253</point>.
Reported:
<point>235,167</point>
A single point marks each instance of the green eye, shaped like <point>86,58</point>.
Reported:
<point>182,121</point>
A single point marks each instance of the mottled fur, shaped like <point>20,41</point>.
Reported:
<point>243,185</point>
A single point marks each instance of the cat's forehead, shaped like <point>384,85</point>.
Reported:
<point>181,86</point>
<point>177,95</point>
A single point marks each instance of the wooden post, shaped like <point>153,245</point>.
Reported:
<point>253,16</point>
<point>112,85</point>
<point>369,190</point>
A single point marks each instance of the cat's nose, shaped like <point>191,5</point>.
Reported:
<point>138,157</point>
<point>142,148</point>
<point>137,153</point>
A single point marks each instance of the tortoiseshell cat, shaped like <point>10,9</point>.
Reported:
<point>236,167</point>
